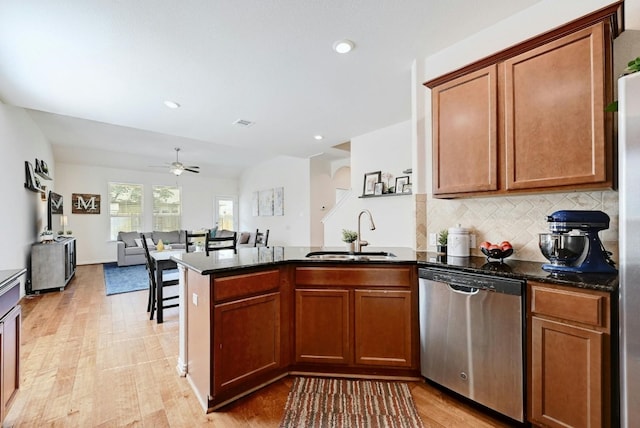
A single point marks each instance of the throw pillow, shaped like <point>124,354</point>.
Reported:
<point>214,232</point>
<point>244,238</point>
<point>150,242</point>
<point>128,238</point>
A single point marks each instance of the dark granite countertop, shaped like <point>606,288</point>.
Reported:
<point>226,260</point>
<point>8,276</point>
<point>519,269</point>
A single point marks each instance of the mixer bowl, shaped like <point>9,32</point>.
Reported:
<point>562,249</point>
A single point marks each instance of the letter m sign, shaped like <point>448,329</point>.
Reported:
<point>85,203</point>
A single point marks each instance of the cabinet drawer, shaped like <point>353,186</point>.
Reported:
<point>367,276</point>
<point>245,285</point>
<point>582,307</point>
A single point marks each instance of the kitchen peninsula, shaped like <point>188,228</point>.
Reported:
<point>251,318</point>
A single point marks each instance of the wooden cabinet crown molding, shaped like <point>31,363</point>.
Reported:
<point>613,13</point>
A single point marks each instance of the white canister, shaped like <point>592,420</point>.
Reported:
<point>458,241</point>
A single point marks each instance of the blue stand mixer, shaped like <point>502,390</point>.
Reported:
<point>573,246</point>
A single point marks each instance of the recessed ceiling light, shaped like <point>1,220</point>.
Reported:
<point>343,46</point>
<point>171,104</point>
<point>318,137</point>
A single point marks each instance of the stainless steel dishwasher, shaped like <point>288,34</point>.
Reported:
<point>471,337</point>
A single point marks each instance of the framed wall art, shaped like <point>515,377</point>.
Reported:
<point>83,203</point>
<point>370,180</point>
<point>266,202</point>
<point>278,201</point>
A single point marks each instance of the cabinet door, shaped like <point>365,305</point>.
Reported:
<point>383,327</point>
<point>566,375</point>
<point>554,113</point>
<point>322,326</point>
<point>246,340</point>
<point>10,343</point>
<point>465,133</point>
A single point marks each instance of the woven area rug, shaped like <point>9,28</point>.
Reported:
<point>341,403</point>
<point>125,279</point>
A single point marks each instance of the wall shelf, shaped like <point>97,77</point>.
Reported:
<point>31,181</point>
<point>42,169</point>
<point>384,195</point>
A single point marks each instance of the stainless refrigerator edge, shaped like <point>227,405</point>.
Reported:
<point>629,245</point>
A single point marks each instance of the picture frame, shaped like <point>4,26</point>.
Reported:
<point>85,203</point>
<point>266,203</point>
<point>370,180</point>
<point>401,182</point>
<point>377,189</point>
<point>406,188</point>
<point>278,201</point>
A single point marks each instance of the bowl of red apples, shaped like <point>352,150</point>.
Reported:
<point>496,251</point>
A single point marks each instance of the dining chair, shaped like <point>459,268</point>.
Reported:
<point>188,244</point>
<point>262,238</point>
<point>168,279</point>
<point>224,239</point>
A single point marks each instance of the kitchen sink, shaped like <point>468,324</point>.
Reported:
<point>344,255</point>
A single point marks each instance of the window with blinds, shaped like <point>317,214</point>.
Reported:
<point>125,208</point>
<point>167,208</point>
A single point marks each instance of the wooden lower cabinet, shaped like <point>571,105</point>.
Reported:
<point>569,364</point>
<point>10,330</point>
<point>10,327</point>
<point>362,317</point>
<point>246,329</point>
<point>234,334</point>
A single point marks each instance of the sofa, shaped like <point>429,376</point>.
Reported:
<point>131,251</point>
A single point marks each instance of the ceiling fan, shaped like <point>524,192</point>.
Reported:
<point>178,167</point>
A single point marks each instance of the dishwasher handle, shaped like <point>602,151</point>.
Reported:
<point>463,289</point>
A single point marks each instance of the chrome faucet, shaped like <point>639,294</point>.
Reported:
<point>372,226</point>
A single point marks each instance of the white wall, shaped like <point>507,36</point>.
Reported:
<point>323,196</point>
<point>92,230</point>
<point>387,150</point>
<point>294,175</point>
<point>23,215</point>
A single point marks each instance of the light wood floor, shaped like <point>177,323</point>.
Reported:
<point>91,360</point>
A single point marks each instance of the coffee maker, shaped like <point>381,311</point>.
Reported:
<point>573,246</point>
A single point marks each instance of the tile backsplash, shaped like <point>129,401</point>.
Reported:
<point>518,219</point>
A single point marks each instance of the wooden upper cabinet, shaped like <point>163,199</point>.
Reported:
<point>530,118</point>
<point>554,113</point>
<point>465,133</point>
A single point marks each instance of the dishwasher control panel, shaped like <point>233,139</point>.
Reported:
<point>473,280</point>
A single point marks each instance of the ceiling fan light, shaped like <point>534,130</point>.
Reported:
<point>176,170</point>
